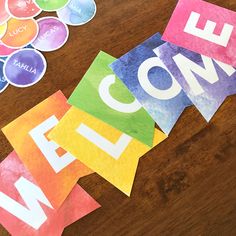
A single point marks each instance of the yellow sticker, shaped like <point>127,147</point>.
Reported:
<point>3,29</point>
<point>104,149</point>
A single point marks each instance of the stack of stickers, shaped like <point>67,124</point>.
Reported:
<point>22,37</point>
<point>108,123</point>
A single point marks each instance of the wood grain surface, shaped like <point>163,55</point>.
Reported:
<point>184,186</point>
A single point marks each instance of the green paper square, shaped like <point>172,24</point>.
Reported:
<point>138,125</point>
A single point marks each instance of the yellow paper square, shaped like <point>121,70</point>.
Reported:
<point>120,172</point>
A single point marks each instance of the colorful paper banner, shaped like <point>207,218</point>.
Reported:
<point>104,96</point>
<point>151,83</point>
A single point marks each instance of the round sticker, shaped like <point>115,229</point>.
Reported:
<point>78,12</point>
<point>4,16</point>
<point>24,67</point>
<point>51,5</point>
<point>3,82</point>
<point>5,51</point>
<point>3,29</point>
<point>22,9</point>
<point>20,33</point>
<point>52,35</point>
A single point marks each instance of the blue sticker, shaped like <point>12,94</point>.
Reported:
<point>152,84</point>
<point>3,82</point>
<point>77,12</point>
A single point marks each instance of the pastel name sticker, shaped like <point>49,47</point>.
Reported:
<point>51,5</point>
<point>59,170</point>
<point>78,12</point>
<point>5,51</point>
<point>204,28</point>
<point>149,80</point>
<point>3,29</point>
<point>206,81</point>
<point>24,67</point>
<point>112,154</point>
<point>4,16</point>
<point>22,9</point>
<point>26,210</point>
<point>3,81</point>
<point>20,32</point>
<point>112,101</point>
<point>52,35</point>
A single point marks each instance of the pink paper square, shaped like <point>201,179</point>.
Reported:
<point>76,205</point>
<point>222,48</point>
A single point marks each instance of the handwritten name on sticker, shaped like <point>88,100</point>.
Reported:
<point>204,28</point>
<point>23,9</point>
<point>78,12</point>
<point>24,67</point>
<point>20,33</point>
<point>61,168</point>
<point>26,210</point>
<point>53,34</point>
<point>3,81</point>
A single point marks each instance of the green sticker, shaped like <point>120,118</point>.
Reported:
<point>51,5</point>
<point>101,94</point>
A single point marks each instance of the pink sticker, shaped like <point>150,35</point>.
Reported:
<point>24,208</point>
<point>22,9</point>
<point>5,51</point>
<point>4,16</point>
<point>204,28</point>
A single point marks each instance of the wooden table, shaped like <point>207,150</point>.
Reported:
<point>184,186</point>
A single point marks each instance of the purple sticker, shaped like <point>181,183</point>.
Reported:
<point>53,34</point>
<point>24,67</point>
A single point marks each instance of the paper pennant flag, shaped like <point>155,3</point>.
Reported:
<point>204,28</point>
<point>207,82</point>
<point>53,34</point>
<point>25,210</point>
<point>109,152</point>
<point>152,84</point>
<point>55,170</point>
<point>111,101</point>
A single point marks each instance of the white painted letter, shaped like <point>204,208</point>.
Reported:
<point>33,214</point>
<point>187,67</point>
<point>114,150</point>
<point>48,148</point>
<point>208,32</point>
<point>166,94</point>
<point>113,103</point>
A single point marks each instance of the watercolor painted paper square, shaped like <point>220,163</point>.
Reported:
<point>55,170</point>
<point>151,83</point>
<point>204,28</point>
<point>106,150</point>
<point>26,211</point>
<point>103,95</point>
<point>206,81</point>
